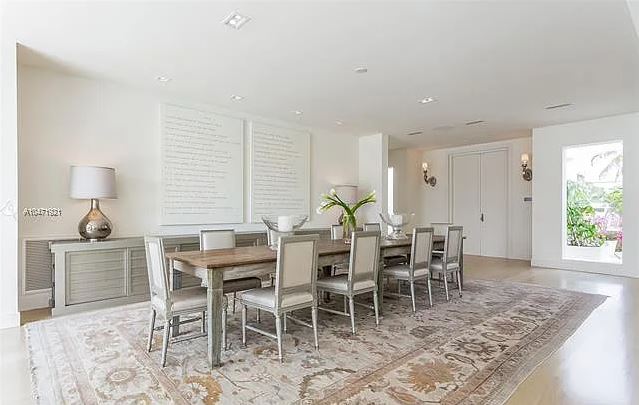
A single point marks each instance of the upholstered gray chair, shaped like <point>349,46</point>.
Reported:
<point>337,231</point>
<point>361,277</point>
<point>165,302</point>
<point>418,267</point>
<point>295,278</point>
<point>225,239</point>
<point>448,260</point>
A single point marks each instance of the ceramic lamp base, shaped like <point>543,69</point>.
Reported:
<point>95,225</point>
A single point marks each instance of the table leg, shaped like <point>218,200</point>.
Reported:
<point>461,265</point>
<point>214,317</point>
<point>380,285</point>
<point>327,272</point>
<point>176,283</point>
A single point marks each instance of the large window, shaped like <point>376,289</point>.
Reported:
<point>593,200</point>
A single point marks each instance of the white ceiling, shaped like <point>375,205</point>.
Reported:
<point>498,61</point>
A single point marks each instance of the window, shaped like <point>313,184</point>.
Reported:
<point>593,201</point>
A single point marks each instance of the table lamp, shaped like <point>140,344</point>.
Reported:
<point>93,183</point>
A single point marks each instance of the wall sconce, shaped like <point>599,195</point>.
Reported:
<point>526,172</point>
<point>430,180</point>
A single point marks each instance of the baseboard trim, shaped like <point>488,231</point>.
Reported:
<point>609,269</point>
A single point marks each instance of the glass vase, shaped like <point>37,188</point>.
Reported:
<point>349,224</point>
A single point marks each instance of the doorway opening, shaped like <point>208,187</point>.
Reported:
<point>593,202</point>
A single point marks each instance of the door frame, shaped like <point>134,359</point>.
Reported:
<point>451,194</point>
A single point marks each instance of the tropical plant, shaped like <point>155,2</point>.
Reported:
<point>349,220</point>
<point>614,163</point>
<point>581,229</point>
<point>615,199</point>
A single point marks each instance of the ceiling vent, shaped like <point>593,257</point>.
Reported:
<point>415,133</point>
<point>552,107</point>
<point>475,122</point>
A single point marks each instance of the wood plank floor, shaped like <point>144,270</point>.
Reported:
<point>599,364</point>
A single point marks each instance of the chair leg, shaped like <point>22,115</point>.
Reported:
<point>234,298</point>
<point>345,304</point>
<point>278,328</point>
<point>446,286</point>
<point>258,317</point>
<point>203,325</point>
<point>314,316</point>
<point>165,340</point>
<point>224,315</point>
<point>244,325</point>
<point>399,286</point>
<point>285,323</point>
<point>412,294</point>
<point>430,293</point>
<point>351,304</point>
<point>459,284</point>
<point>151,327</point>
<point>376,305</point>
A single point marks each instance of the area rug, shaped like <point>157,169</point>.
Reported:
<point>472,350</point>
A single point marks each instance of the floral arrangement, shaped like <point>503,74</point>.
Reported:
<point>349,220</point>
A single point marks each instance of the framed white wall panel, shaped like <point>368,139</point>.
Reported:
<point>279,171</point>
<point>202,166</point>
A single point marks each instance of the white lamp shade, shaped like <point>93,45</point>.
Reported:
<point>425,166</point>
<point>525,158</point>
<point>347,193</point>
<point>87,182</point>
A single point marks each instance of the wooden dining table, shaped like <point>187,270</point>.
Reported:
<point>215,266</point>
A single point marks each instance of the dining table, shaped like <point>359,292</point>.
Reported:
<point>215,266</point>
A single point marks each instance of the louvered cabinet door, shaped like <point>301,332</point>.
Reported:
<point>95,275</point>
<point>139,272</point>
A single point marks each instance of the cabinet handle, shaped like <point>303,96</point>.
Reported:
<point>482,217</point>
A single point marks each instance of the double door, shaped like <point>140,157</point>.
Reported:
<point>480,201</point>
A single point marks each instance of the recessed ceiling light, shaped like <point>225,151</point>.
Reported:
<point>297,112</point>
<point>235,97</point>
<point>552,107</point>
<point>415,133</point>
<point>163,79</point>
<point>426,100</point>
<point>475,122</point>
<point>361,69</point>
<point>236,20</point>
<point>339,123</point>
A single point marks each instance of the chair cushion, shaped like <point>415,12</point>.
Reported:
<point>340,283</point>
<point>186,299</point>
<point>401,271</point>
<point>242,284</point>
<point>436,265</point>
<point>265,297</point>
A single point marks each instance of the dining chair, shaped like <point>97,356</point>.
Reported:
<point>165,302</point>
<point>337,231</point>
<point>448,260</point>
<point>295,278</point>
<point>225,239</point>
<point>389,260</point>
<point>418,266</point>
<point>361,277</point>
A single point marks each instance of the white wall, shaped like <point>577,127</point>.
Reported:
<point>432,204</point>
<point>9,316</point>
<point>373,175</point>
<point>67,120</point>
<point>548,144</point>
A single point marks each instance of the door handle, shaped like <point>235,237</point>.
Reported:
<point>481,218</point>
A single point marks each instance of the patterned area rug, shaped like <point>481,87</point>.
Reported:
<point>474,349</point>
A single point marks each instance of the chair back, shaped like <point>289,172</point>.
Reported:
<point>337,232</point>
<point>422,249</point>
<point>272,236</point>
<point>156,268</point>
<point>453,244</point>
<point>364,260</point>
<point>372,227</point>
<point>217,239</point>
<point>296,269</point>
<point>440,227</point>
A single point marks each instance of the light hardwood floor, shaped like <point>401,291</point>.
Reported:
<point>599,364</point>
